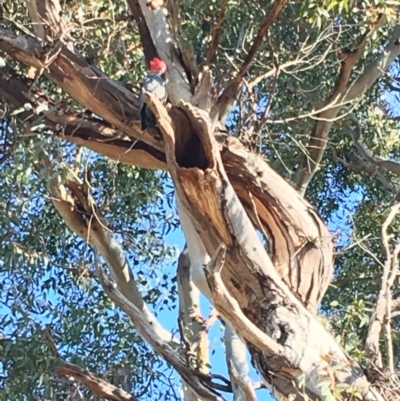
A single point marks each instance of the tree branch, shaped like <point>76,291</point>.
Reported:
<point>98,386</point>
<point>82,216</point>
<point>85,83</point>
<point>228,97</point>
<point>178,81</point>
<point>344,92</point>
<point>160,346</point>
<point>93,133</point>
<point>196,338</point>
<point>216,28</point>
<point>149,49</point>
<point>230,309</point>
<point>367,154</point>
<point>382,311</point>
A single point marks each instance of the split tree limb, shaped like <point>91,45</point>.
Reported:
<point>249,275</point>
<point>293,221</point>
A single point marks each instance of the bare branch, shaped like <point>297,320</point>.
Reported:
<point>82,216</point>
<point>192,330</point>
<point>368,155</point>
<point>46,19</point>
<point>161,347</point>
<point>236,360</point>
<point>93,133</point>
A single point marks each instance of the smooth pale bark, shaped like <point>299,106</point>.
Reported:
<point>236,360</point>
<point>235,348</point>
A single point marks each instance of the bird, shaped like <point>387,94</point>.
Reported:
<point>154,82</point>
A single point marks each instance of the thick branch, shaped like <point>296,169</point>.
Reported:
<point>156,21</point>
<point>85,83</point>
<point>93,133</point>
<point>149,48</point>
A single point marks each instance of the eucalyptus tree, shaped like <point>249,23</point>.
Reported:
<point>273,107</point>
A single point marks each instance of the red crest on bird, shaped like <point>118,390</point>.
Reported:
<point>157,65</point>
